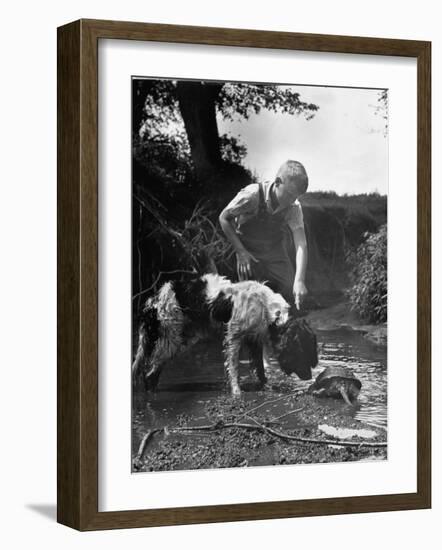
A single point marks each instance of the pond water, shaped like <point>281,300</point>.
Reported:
<point>189,384</point>
<point>368,361</point>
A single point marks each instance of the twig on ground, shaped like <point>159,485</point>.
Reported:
<point>137,461</point>
<point>286,414</point>
<point>282,435</point>
<point>289,395</point>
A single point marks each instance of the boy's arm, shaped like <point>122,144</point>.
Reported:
<point>244,202</point>
<point>295,221</point>
<point>226,222</point>
<point>299,288</point>
<point>244,257</point>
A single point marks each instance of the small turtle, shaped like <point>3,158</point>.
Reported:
<point>336,382</point>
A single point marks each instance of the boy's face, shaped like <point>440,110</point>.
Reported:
<point>287,190</point>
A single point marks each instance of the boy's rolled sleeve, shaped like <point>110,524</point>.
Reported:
<point>245,202</point>
<point>295,217</point>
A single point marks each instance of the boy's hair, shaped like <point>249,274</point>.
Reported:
<point>294,169</point>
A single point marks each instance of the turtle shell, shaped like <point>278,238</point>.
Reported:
<point>331,373</point>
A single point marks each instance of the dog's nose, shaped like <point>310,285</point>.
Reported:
<point>305,375</point>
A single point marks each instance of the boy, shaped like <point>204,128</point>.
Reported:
<point>255,223</point>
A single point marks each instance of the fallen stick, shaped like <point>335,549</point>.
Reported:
<point>285,414</point>
<point>137,461</point>
<point>289,395</point>
<point>282,435</point>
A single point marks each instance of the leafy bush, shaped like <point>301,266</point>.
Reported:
<point>368,293</point>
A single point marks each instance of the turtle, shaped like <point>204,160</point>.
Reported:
<point>336,382</point>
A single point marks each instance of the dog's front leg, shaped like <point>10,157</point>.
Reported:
<point>232,344</point>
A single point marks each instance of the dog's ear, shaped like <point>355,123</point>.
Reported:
<point>310,342</point>
<point>296,348</point>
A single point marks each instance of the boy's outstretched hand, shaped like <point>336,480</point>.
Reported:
<point>299,292</point>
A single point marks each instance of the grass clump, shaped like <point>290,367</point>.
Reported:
<point>368,290</point>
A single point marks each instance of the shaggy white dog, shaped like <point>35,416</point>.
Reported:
<point>247,312</point>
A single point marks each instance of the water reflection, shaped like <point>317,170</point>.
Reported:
<point>368,362</point>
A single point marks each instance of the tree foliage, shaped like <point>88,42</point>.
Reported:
<point>157,115</point>
<point>238,100</point>
<point>382,109</point>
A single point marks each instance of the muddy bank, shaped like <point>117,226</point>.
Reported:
<point>280,424</point>
<point>322,426</point>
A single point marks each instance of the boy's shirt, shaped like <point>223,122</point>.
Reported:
<point>245,205</point>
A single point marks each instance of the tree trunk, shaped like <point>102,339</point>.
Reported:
<point>197,106</point>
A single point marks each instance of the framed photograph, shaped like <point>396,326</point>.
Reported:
<point>243,274</point>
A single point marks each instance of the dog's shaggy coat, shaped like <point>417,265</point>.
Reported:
<point>181,312</point>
